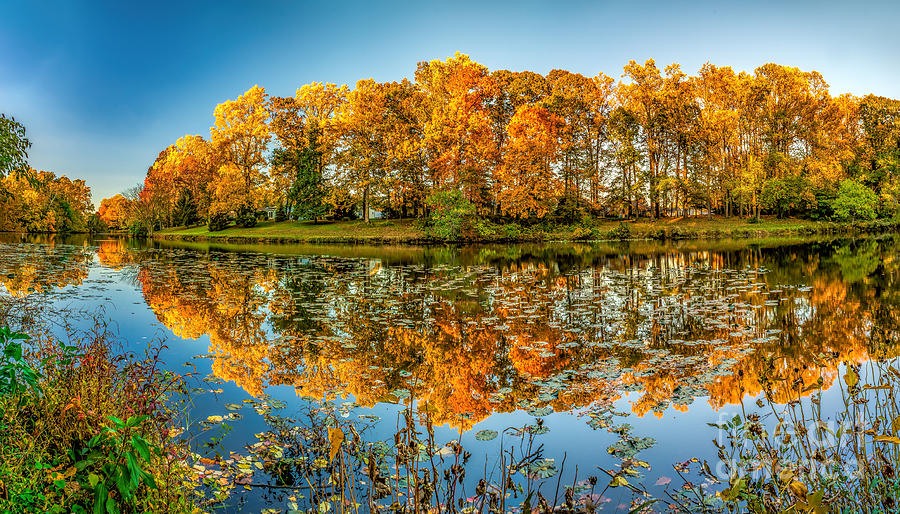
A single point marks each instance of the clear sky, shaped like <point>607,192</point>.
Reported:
<point>102,87</point>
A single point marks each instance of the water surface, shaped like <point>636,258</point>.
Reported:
<point>638,342</point>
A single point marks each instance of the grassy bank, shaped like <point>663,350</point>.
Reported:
<point>414,232</point>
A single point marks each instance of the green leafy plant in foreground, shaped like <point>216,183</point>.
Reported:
<point>114,460</point>
<point>16,374</point>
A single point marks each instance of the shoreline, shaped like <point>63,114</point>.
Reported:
<point>661,230</point>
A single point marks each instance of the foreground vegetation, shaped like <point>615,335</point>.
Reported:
<point>793,455</point>
<point>416,232</point>
<point>85,428</point>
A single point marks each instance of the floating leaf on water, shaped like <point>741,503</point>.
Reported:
<point>540,412</point>
<point>486,435</point>
<point>542,468</point>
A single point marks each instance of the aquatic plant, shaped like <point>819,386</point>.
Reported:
<point>325,459</point>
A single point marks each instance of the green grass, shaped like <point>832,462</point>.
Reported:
<point>343,231</point>
<point>411,231</point>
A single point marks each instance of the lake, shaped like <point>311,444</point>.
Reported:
<point>616,352</point>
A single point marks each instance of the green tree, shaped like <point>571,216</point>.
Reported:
<point>452,215</point>
<point>854,202</point>
<point>185,209</point>
<point>306,197</point>
<point>788,195</point>
<point>13,146</point>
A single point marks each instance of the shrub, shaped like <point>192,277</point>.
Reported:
<point>582,233</point>
<point>15,374</point>
<point>452,216</point>
<point>84,429</point>
<point>622,232</point>
<point>512,231</point>
<point>217,222</point>
<point>854,202</point>
<point>246,217</point>
<point>484,229</point>
<point>138,229</point>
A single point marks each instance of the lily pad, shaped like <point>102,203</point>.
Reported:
<point>486,435</point>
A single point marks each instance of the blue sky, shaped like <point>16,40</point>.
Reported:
<point>102,87</point>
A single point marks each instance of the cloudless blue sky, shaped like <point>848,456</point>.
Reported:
<point>102,87</point>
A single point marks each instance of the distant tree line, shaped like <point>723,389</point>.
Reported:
<point>522,146</point>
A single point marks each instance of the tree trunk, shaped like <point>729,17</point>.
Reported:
<point>366,204</point>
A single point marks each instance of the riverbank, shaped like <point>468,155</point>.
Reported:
<point>413,231</point>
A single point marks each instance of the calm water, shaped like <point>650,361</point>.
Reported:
<point>658,339</point>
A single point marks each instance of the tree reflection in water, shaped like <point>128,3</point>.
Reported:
<point>475,331</point>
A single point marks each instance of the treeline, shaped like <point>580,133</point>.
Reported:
<point>522,146</point>
<point>38,201</point>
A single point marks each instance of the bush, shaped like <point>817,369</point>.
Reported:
<point>484,229</point>
<point>246,217</point>
<point>854,202</point>
<point>138,229</point>
<point>622,232</point>
<point>582,233</point>
<point>217,222</point>
<point>452,217</point>
<point>512,231</point>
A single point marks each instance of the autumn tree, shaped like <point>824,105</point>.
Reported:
<point>45,202</point>
<point>457,136</point>
<point>241,133</point>
<point>641,95</point>
<point>526,183</point>
<point>658,142</point>
<point>305,128</point>
<point>717,130</point>
<point>365,152</point>
<point>114,211</point>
